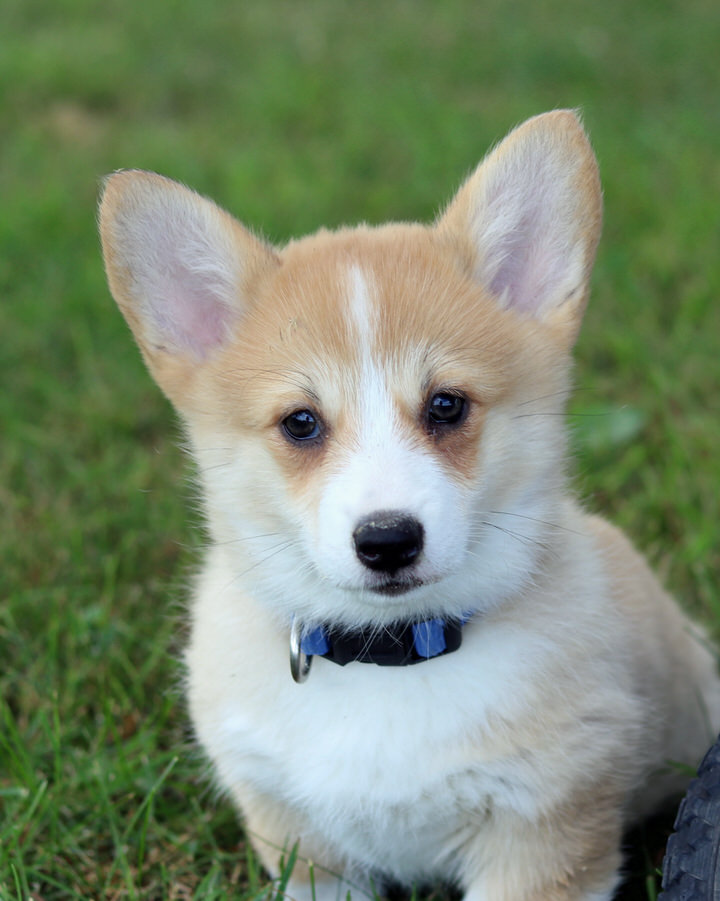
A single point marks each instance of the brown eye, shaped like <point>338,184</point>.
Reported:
<point>446,409</point>
<point>302,425</point>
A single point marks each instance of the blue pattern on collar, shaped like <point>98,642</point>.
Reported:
<point>428,638</point>
<point>315,642</point>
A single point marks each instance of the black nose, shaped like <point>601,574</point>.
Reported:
<point>388,541</point>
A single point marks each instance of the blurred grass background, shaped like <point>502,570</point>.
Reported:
<point>295,115</point>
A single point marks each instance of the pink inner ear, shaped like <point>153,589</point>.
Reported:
<point>190,314</point>
<point>523,242</point>
<point>530,272</point>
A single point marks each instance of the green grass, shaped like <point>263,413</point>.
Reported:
<point>294,116</point>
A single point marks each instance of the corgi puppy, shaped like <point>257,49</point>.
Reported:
<point>413,655</point>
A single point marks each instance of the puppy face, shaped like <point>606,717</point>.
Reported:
<point>373,411</point>
<point>381,388</point>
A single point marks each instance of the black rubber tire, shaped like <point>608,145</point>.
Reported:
<point>690,868</point>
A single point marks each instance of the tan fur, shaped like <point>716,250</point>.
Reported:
<point>512,766</point>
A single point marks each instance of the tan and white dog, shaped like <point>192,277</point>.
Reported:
<point>377,419</point>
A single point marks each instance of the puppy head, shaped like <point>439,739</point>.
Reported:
<point>373,411</point>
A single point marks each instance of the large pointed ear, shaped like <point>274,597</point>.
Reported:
<point>179,268</point>
<point>529,218</point>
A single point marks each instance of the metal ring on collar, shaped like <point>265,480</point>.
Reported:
<point>300,663</point>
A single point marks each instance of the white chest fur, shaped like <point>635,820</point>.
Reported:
<point>372,761</point>
<point>395,765</point>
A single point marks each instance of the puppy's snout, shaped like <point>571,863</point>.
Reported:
<point>388,541</point>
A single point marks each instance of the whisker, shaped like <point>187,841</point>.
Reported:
<point>561,414</point>
<point>278,549</point>
<point>203,469</point>
<point>244,538</point>
<point>543,522</point>
<point>564,392</point>
<point>565,414</point>
<point>524,539</point>
<point>295,377</point>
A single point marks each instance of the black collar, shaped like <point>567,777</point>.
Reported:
<point>400,643</point>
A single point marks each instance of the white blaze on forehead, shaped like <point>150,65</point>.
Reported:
<point>372,397</point>
<point>363,312</point>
